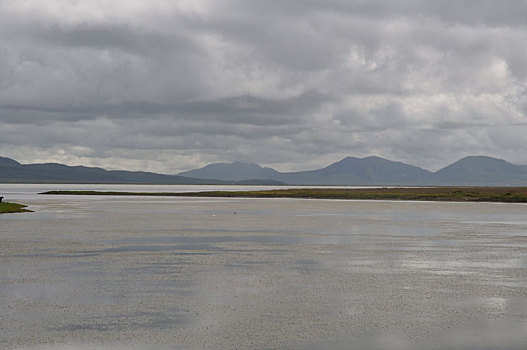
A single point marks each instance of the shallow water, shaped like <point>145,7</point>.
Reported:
<point>198,273</point>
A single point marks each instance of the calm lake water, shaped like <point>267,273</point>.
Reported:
<point>199,273</point>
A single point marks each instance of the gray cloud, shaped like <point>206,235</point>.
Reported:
<point>168,86</point>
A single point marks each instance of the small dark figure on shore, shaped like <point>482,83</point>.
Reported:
<point>1,198</point>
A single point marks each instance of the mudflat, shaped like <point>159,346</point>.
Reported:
<point>223,273</point>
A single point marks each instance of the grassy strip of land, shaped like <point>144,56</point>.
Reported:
<point>457,194</point>
<point>6,208</point>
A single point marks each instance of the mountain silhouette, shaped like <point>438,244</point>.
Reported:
<point>13,172</point>
<point>350,171</point>
<point>482,171</point>
<point>236,171</point>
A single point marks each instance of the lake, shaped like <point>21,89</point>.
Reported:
<point>210,273</point>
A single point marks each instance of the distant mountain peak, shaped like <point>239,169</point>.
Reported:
<point>372,170</point>
<point>364,159</point>
<point>4,161</point>
<point>482,170</point>
<point>246,164</point>
<point>243,163</point>
<point>482,158</point>
<point>236,171</point>
<point>373,158</point>
<point>478,161</point>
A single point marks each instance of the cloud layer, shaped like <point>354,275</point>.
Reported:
<point>295,84</point>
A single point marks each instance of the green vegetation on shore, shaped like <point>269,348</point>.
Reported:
<point>457,194</point>
<point>6,208</point>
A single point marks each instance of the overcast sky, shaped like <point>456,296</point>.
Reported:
<point>168,86</point>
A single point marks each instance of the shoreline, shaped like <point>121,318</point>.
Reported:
<point>444,194</point>
<point>11,208</point>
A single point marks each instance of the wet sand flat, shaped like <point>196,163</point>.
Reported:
<point>203,273</point>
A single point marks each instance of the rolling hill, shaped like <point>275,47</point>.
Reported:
<point>360,171</point>
<point>481,171</point>
<point>237,171</point>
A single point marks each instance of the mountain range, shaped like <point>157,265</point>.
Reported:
<point>348,171</point>
<point>12,171</point>
<point>468,171</point>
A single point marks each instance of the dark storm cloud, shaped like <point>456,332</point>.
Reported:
<point>235,110</point>
<point>293,84</point>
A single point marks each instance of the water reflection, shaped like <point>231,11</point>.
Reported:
<point>101,273</point>
<point>494,335</point>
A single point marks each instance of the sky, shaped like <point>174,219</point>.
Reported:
<point>168,86</point>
